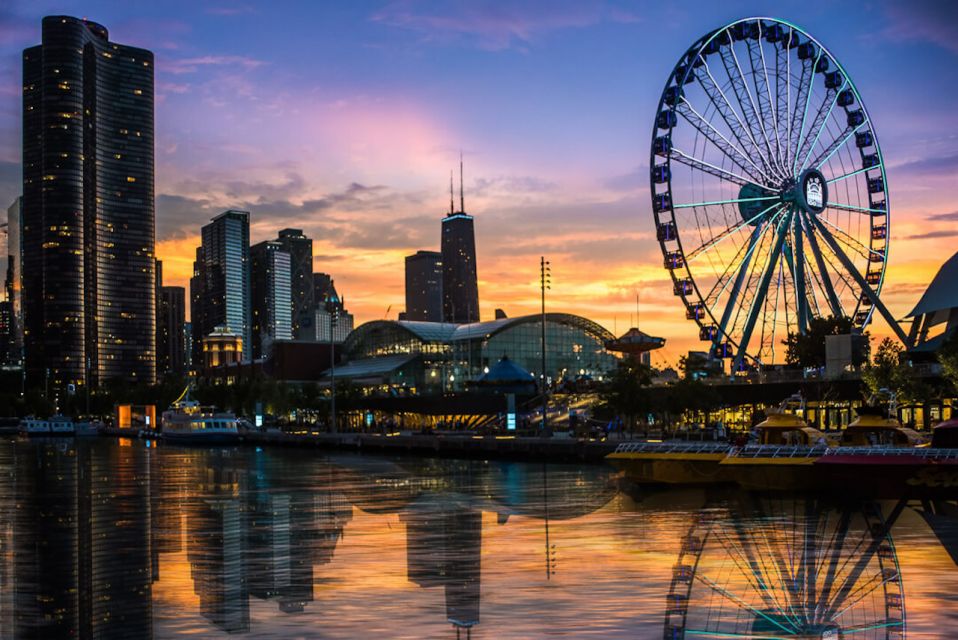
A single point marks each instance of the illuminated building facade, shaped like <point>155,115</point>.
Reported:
<point>329,303</point>
<point>302,300</point>
<point>434,356</point>
<point>88,210</point>
<point>220,287</point>
<point>222,347</point>
<point>272,311</point>
<point>424,286</point>
<point>13,282</point>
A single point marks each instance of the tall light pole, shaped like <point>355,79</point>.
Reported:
<point>333,317</point>
<point>545,279</point>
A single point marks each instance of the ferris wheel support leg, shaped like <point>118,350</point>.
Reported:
<point>761,292</point>
<point>822,270</point>
<point>860,280</point>
<point>801,299</point>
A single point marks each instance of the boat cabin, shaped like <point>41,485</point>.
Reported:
<point>872,428</point>
<point>945,435</point>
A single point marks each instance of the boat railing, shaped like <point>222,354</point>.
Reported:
<point>673,447</point>
<point>779,451</point>
<point>927,453</point>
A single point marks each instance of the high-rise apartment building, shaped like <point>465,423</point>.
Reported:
<point>220,286</point>
<point>88,209</point>
<point>13,284</point>
<point>170,328</point>
<point>424,286</point>
<point>300,250</point>
<point>460,287</point>
<point>272,311</point>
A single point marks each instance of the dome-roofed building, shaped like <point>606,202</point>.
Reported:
<point>935,317</point>
<point>437,356</point>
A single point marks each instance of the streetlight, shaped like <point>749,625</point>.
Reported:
<point>333,318</point>
<point>545,280</point>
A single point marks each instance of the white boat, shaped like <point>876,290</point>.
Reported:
<point>188,422</point>
<point>54,426</point>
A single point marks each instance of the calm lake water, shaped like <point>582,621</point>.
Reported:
<point>107,539</point>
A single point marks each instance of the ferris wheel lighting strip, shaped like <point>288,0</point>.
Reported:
<point>808,101</point>
<point>845,234</point>
<point>818,164</point>
<point>717,168</point>
<point>718,202</point>
<point>821,128</point>
<point>851,207</point>
<point>849,175</point>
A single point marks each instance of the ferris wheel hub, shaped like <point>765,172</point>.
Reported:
<point>812,191</point>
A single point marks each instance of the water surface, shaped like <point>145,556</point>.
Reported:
<point>114,539</point>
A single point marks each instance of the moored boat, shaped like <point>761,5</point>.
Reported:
<point>54,426</point>
<point>188,422</point>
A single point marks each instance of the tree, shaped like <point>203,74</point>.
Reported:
<point>808,349</point>
<point>626,390</point>
<point>697,365</point>
<point>948,359</point>
<point>890,371</point>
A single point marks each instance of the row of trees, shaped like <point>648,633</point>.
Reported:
<point>628,393</point>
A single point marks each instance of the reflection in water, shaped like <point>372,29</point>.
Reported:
<point>99,540</point>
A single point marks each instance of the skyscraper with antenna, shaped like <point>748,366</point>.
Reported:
<point>460,288</point>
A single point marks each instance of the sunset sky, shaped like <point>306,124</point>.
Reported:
<point>344,119</point>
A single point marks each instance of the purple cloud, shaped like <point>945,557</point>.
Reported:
<point>924,21</point>
<point>496,26</point>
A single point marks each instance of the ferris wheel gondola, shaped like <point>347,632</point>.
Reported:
<point>768,190</point>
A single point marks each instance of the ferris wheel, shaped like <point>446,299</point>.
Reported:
<point>768,190</point>
<point>754,567</point>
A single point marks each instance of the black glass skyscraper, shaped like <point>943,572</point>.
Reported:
<point>88,211</point>
<point>460,289</point>
<point>300,250</point>
<point>424,286</point>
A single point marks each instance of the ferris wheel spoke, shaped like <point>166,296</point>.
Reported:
<point>790,629</point>
<point>713,135</point>
<point>763,97</point>
<point>861,592</point>
<point>836,144</point>
<point>853,208</point>
<point>721,283</point>
<point>760,293</point>
<point>802,98</point>
<point>784,95</point>
<point>826,280</point>
<point>747,564</point>
<point>743,270</point>
<point>818,126</point>
<point>724,235</point>
<point>857,276</point>
<point>770,102</point>
<point>712,203</point>
<point>872,627</point>
<point>744,97</point>
<point>855,245</point>
<point>850,175</point>
<point>706,167</point>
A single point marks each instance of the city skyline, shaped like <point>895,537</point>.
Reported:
<point>553,109</point>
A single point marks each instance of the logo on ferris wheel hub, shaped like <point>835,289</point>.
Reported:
<point>814,191</point>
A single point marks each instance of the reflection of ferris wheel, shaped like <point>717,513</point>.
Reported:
<point>787,569</point>
<point>768,189</point>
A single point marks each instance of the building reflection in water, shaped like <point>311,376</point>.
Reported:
<point>85,528</point>
<point>81,543</point>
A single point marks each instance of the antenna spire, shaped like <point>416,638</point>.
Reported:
<point>462,198</point>
<point>451,198</point>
